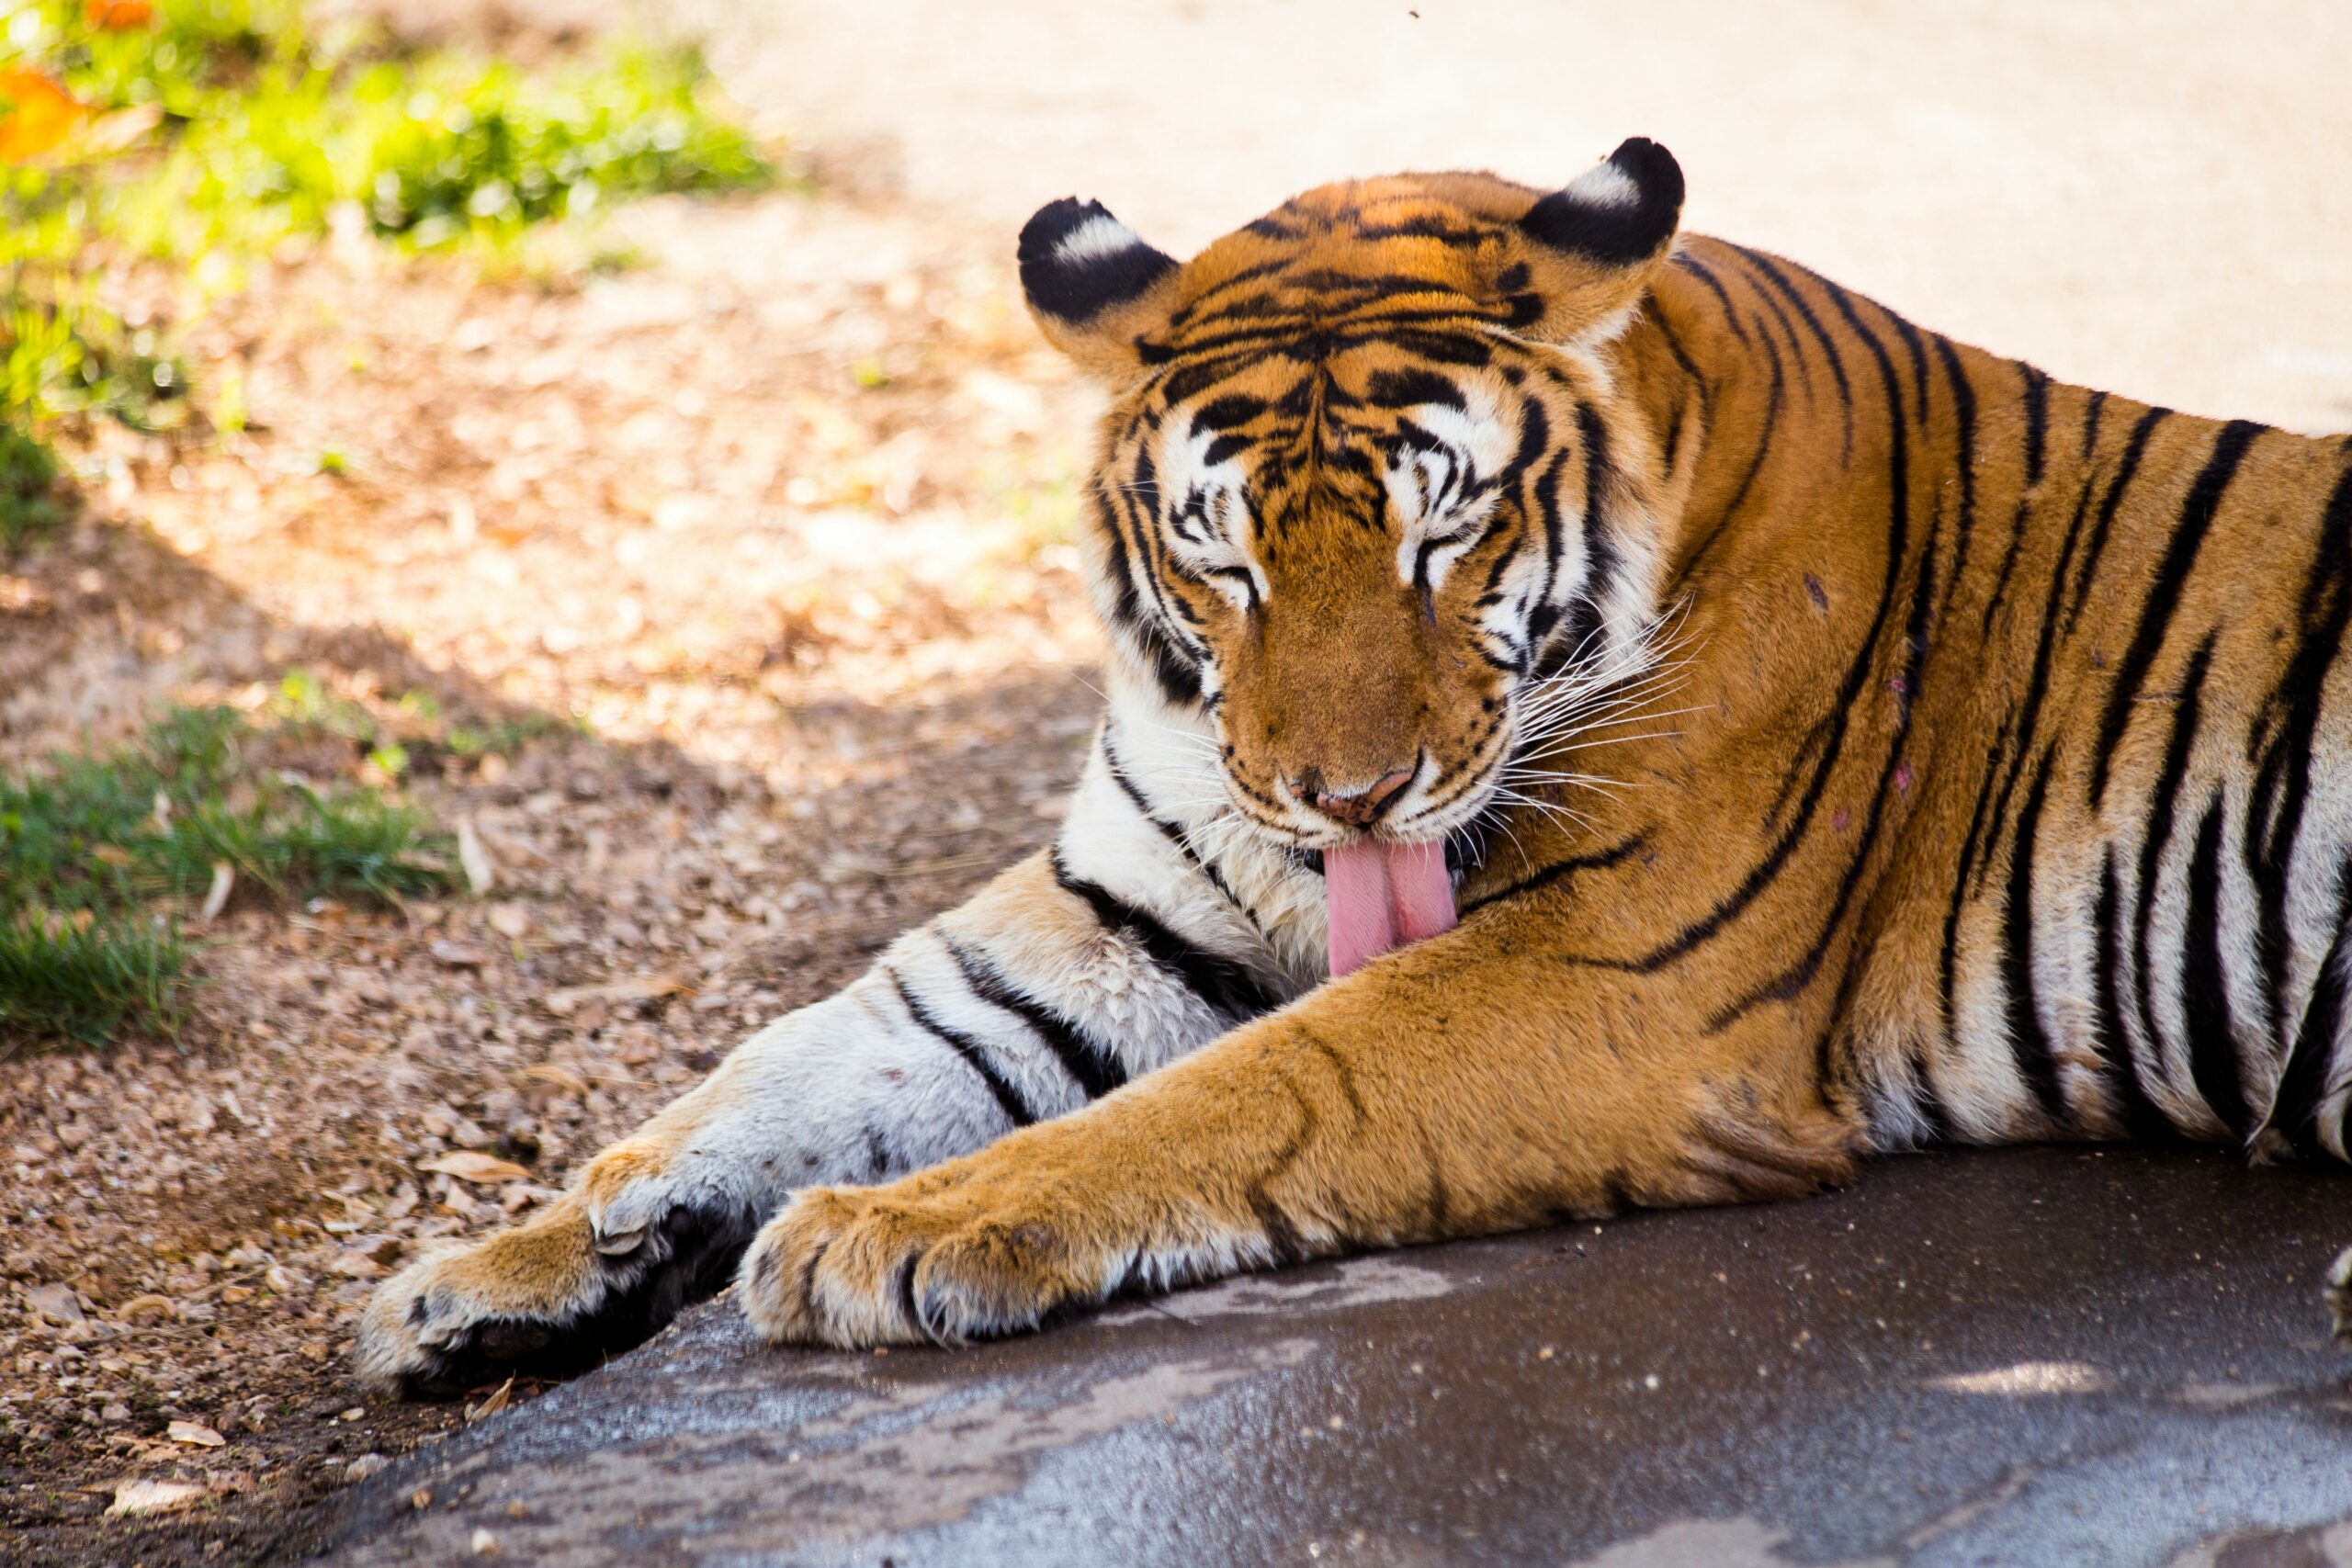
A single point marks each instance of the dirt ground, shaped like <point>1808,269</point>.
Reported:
<point>770,533</point>
<point>766,543</point>
<point>2151,196</point>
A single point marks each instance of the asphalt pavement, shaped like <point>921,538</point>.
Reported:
<point>2031,1357</point>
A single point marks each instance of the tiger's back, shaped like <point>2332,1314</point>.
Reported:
<point>2023,701</point>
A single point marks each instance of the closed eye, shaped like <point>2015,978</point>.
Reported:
<point>1203,546</point>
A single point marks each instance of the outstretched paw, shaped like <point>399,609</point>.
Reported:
<point>936,1257</point>
<point>584,1281</point>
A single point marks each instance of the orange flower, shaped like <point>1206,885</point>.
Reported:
<point>115,15</point>
<point>36,114</point>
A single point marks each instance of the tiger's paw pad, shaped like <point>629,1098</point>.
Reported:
<point>860,1267</point>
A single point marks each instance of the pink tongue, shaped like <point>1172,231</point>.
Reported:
<point>1384,895</point>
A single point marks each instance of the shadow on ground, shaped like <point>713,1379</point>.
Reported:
<point>342,1039</point>
<point>2046,1356</point>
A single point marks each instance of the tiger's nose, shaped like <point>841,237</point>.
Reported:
<point>1357,807</point>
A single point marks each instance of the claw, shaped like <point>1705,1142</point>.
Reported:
<point>618,1243</point>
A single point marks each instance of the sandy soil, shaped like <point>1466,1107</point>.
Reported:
<point>2151,195</point>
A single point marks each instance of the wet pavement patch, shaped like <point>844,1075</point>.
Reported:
<point>2047,1356</point>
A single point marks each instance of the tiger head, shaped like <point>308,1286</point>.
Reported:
<point>1367,493</point>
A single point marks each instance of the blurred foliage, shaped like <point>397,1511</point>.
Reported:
<point>199,136</point>
<point>204,134</point>
<point>31,502</point>
<point>102,851</point>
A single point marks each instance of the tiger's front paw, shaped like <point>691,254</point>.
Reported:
<point>600,1270</point>
<point>943,1256</point>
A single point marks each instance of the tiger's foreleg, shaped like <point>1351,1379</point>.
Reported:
<point>1464,1086</point>
<point>1067,975</point>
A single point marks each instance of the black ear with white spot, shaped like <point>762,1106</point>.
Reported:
<point>1091,282</point>
<point>1616,213</point>
<point>1077,260</point>
<point>1595,242</point>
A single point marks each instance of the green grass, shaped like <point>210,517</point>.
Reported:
<point>221,130</point>
<point>101,856</point>
<point>31,501</point>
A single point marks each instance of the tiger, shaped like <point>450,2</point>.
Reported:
<point>1598,718</point>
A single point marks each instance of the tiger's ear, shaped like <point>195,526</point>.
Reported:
<point>1593,244</point>
<point>1093,285</point>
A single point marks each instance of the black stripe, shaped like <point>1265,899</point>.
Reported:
<point>2141,1117</point>
<point>1701,271</point>
<point>1225,985</point>
<point>1840,711</point>
<point>2096,545</point>
<point>1774,392</point>
<point>1821,336</point>
<point>2172,576</point>
<point>1801,974</point>
<point>2204,986</point>
<point>1009,1099</point>
<point>2285,775</point>
<point>2304,1081</point>
<point>2037,448</point>
<point>1093,1071</point>
<point>1546,496</point>
<point>2046,647</point>
<point>2028,1041</point>
<point>1602,558</point>
<point>1779,313</point>
<point>1656,318</point>
<point>1596,860</point>
<point>1926,1102</point>
<point>1175,837</point>
<point>1949,965</point>
<point>2162,803</point>
<point>1963,415</point>
<point>1172,666</point>
<point>1916,347</point>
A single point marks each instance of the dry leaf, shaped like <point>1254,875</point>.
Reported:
<point>495,1403</point>
<point>115,16</point>
<point>480,875</point>
<point>563,1077</point>
<point>509,920</point>
<point>467,1165</point>
<point>36,114</point>
<point>645,988</point>
<point>55,1303</point>
<point>110,133</point>
<point>113,854</point>
<point>139,1308</point>
<point>458,954</point>
<point>196,1432</point>
<point>153,1497</point>
<point>224,878</point>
